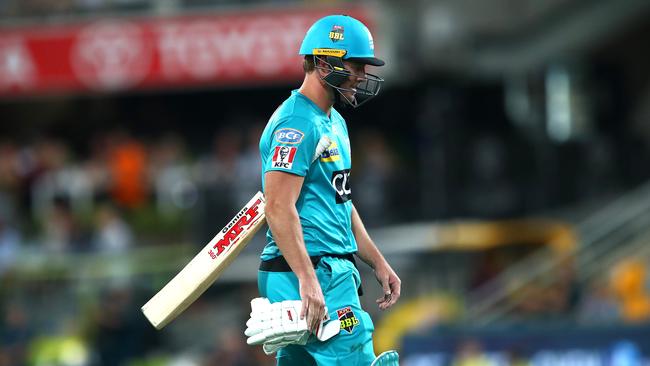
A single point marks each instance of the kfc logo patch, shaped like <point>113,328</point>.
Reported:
<point>347,318</point>
<point>283,157</point>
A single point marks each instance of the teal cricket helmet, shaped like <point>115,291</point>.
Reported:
<point>340,36</point>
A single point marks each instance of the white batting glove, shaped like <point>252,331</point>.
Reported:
<point>274,344</point>
<point>274,322</point>
<point>278,325</point>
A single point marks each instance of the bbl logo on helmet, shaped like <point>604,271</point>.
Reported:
<point>336,34</point>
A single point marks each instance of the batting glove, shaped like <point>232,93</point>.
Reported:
<point>278,325</point>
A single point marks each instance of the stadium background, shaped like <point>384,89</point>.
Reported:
<point>501,170</point>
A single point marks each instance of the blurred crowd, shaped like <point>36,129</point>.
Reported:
<point>618,294</point>
<point>110,330</point>
<point>94,202</point>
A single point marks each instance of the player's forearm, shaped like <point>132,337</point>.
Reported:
<point>287,232</point>
<point>367,250</point>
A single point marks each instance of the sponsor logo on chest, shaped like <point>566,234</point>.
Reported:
<point>331,154</point>
<point>341,184</point>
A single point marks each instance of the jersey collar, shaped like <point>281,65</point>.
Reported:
<point>311,103</point>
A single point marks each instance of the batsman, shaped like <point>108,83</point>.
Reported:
<point>309,311</point>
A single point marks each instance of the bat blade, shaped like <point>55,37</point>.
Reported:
<point>201,272</point>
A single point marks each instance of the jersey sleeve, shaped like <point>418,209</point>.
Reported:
<point>292,147</point>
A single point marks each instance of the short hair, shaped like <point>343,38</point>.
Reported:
<point>308,64</point>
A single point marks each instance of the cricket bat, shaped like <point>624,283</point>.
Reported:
<point>207,265</point>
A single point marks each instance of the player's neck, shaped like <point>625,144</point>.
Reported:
<point>313,89</point>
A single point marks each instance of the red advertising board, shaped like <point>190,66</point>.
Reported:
<point>157,53</point>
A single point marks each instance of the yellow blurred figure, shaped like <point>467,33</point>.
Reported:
<point>628,281</point>
<point>471,353</point>
<point>59,350</point>
<point>412,315</point>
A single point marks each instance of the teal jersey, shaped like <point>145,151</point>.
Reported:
<point>288,144</point>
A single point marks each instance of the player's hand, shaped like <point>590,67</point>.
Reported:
<point>390,283</point>
<point>313,303</point>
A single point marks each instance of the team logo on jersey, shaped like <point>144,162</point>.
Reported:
<point>336,34</point>
<point>347,318</point>
<point>341,184</point>
<point>331,154</point>
<point>283,157</point>
<point>288,136</point>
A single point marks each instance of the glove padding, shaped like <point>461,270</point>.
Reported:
<point>277,325</point>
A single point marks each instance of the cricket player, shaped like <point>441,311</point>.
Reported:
<point>314,228</point>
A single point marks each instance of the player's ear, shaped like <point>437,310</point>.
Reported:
<point>322,67</point>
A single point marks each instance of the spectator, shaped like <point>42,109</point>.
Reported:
<point>57,176</point>
<point>62,231</point>
<point>517,358</point>
<point>231,350</point>
<point>127,161</point>
<point>216,178</point>
<point>629,283</point>
<point>470,353</point>
<point>118,334</point>
<point>598,306</point>
<point>9,180</point>
<point>112,234</point>
<point>376,168</point>
<point>9,247</point>
<point>219,166</point>
<point>171,176</point>
<point>9,237</point>
<point>15,333</point>
<point>490,191</point>
<point>249,167</point>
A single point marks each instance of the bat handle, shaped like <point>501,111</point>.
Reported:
<point>322,145</point>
